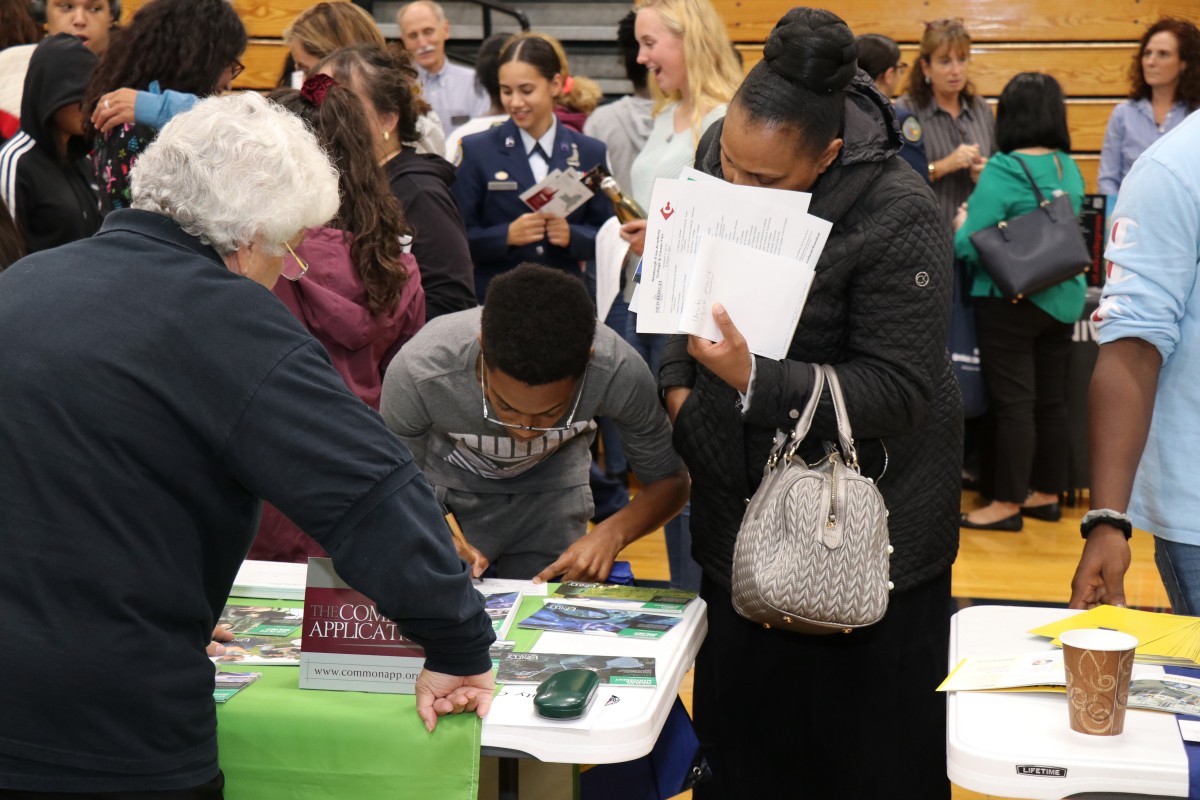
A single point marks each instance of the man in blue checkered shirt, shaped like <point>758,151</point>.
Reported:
<point>451,89</point>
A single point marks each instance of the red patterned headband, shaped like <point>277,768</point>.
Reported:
<point>316,87</point>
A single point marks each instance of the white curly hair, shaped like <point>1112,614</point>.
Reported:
<point>237,169</point>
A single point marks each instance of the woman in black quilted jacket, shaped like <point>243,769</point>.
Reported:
<point>843,715</point>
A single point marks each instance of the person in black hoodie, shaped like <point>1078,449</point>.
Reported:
<point>421,182</point>
<point>40,179</point>
<point>806,119</point>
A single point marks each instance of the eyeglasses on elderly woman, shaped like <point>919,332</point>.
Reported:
<point>294,267</point>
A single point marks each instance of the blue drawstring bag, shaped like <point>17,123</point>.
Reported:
<point>963,345</point>
<point>673,766</point>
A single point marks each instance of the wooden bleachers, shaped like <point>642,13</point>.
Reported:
<point>1087,46</point>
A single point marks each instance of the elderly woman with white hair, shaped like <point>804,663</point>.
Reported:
<point>154,389</point>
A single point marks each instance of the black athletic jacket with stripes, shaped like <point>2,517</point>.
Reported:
<point>48,195</point>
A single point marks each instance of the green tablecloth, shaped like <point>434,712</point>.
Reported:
<point>277,740</point>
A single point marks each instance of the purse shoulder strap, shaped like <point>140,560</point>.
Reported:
<point>1041,198</point>
<point>845,434</point>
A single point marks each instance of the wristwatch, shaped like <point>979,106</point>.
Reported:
<point>932,170</point>
<point>1106,516</point>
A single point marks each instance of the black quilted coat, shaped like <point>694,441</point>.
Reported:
<point>877,311</point>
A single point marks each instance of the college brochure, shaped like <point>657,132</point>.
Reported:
<point>501,609</point>
<point>230,683</point>
<point>753,250</point>
<point>262,635</point>
<point>613,670</point>
<point>1044,672</point>
<point>557,194</point>
<point>599,621</point>
<point>498,649</point>
<point>608,595</point>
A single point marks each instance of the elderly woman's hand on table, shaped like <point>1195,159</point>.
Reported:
<point>439,694</point>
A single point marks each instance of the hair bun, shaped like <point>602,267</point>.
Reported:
<point>814,48</point>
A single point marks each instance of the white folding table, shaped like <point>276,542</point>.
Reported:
<point>1020,745</point>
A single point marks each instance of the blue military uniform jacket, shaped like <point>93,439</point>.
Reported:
<point>493,171</point>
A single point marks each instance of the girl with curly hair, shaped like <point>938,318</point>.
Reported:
<point>189,46</point>
<point>384,82</point>
<point>1165,76</point>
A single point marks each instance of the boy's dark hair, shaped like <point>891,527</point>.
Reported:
<point>627,41</point>
<point>877,54</point>
<point>809,59</point>
<point>538,325</point>
<point>1031,113</point>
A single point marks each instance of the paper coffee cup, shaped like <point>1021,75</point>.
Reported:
<point>1099,664</point>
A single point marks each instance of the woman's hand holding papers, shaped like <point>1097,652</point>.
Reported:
<point>729,360</point>
<point>439,694</point>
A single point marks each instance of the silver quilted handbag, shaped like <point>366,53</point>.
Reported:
<point>812,553</point>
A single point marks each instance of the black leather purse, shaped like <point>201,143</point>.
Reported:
<point>1034,251</point>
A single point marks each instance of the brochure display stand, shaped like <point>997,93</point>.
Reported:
<point>1020,744</point>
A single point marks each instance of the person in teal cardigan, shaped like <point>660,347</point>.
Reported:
<point>1023,346</point>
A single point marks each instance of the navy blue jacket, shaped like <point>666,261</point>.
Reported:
<point>912,148</point>
<point>496,158</point>
<point>150,396</point>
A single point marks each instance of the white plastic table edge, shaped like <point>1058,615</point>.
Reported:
<point>611,746</point>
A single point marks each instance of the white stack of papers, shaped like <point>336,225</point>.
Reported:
<point>753,250</point>
<point>274,579</point>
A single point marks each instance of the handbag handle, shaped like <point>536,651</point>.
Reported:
<point>1041,198</point>
<point>823,375</point>
<point>845,435</point>
<point>802,424</point>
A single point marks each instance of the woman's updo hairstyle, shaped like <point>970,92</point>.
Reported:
<point>809,60</point>
<point>534,50</point>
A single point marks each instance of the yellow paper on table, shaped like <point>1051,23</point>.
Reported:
<point>1020,672</point>
<point>1168,635</point>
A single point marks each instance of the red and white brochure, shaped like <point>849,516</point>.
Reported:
<point>558,194</point>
